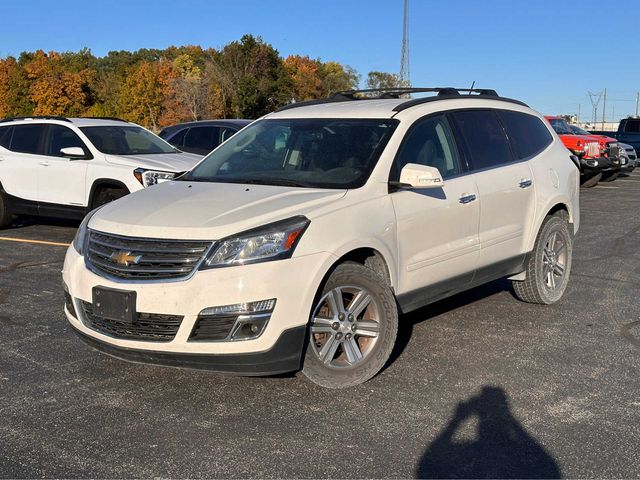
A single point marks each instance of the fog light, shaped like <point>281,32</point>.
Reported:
<point>248,319</point>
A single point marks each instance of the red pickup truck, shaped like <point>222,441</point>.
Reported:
<point>599,156</point>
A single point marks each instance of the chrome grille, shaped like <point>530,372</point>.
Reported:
<point>143,258</point>
<point>613,150</point>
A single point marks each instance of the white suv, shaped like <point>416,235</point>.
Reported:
<point>65,167</point>
<point>299,241</point>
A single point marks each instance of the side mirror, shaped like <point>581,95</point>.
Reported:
<point>421,176</point>
<point>73,153</point>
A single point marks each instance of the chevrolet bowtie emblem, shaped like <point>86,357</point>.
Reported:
<point>125,258</point>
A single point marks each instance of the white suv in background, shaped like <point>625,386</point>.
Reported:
<point>65,167</point>
<point>300,240</point>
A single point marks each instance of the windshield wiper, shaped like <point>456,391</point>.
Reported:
<point>272,181</point>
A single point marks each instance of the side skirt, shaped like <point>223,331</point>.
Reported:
<point>20,206</point>
<point>415,299</point>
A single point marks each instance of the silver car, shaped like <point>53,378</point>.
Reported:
<point>628,153</point>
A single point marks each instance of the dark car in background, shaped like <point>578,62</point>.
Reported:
<point>202,136</point>
<point>628,132</point>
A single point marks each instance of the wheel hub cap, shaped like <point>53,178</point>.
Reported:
<point>344,326</point>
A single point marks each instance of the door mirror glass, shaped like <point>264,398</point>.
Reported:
<point>421,176</point>
<point>73,153</point>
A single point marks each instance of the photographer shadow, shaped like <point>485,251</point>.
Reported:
<point>502,447</point>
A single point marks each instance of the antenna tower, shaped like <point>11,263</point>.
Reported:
<point>404,56</point>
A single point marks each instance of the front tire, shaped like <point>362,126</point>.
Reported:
<point>6,216</point>
<point>609,176</point>
<point>353,328</point>
<point>107,195</point>
<point>549,265</point>
<point>590,180</point>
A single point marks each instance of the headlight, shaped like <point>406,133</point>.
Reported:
<point>271,242</point>
<point>80,240</point>
<point>152,177</point>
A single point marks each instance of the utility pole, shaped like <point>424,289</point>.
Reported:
<point>604,107</point>
<point>578,119</point>
<point>637,101</point>
<point>405,76</point>
<point>594,106</point>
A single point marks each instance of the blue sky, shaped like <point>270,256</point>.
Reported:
<point>547,53</point>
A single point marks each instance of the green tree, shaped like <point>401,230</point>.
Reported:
<point>384,80</point>
<point>335,77</point>
<point>251,77</point>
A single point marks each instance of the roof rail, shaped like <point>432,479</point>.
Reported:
<point>442,93</point>
<point>35,117</point>
<point>107,118</point>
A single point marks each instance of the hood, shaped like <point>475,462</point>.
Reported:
<point>169,162</point>
<point>198,210</point>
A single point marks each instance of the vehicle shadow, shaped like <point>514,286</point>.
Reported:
<point>502,448</point>
<point>409,320</point>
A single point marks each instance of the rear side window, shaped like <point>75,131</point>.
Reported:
<point>429,142</point>
<point>27,138</point>
<point>528,134</point>
<point>60,137</point>
<point>202,139</point>
<point>178,138</point>
<point>485,139</point>
<point>632,126</point>
<point>5,137</point>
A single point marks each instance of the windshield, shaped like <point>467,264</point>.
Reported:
<point>126,140</point>
<point>579,131</point>
<point>317,153</point>
<point>561,126</point>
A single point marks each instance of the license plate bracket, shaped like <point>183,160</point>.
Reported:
<point>113,304</point>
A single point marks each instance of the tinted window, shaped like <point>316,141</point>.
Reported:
<point>560,126</point>
<point>632,126</point>
<point>202,139</point>
<point>429,142</point>
<point>316,153</point>
<point>528,134</point>
<point>60,137</point>
<point>484,137</point>
<point>177,139</point>
<point>27,138</point>
<point>126,140</point>
<point>5,136</point>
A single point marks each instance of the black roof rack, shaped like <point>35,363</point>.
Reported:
<point>35,117</point>
<point>106,118</point>
<point>442,93</point>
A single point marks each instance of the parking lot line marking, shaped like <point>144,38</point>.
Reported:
<point>40,242</point>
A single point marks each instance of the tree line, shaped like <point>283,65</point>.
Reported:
<point>155,88</point>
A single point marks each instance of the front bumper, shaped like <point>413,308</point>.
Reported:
<point>284,356</point>
<point>292,282</point>
<point>596,165</point>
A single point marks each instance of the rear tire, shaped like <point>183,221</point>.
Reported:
<point>6,217</point>
<point>353,328</point>
<point>590,180</point>
<point>609,176</point>
<point>549,265</point>
<point>107,195</point>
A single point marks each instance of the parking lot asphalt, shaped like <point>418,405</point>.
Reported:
<point>480,384</point>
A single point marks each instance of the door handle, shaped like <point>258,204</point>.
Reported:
<point>44,163</point>
<point>467,198</point>
<point>525,183</point>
